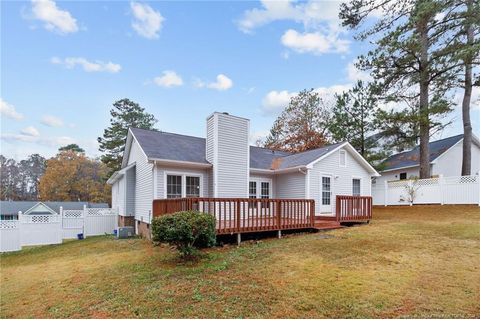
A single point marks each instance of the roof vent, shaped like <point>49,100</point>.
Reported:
<point>226,113</point>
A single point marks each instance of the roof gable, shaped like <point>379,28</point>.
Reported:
<point>412,157</point>
<point>39,208</point>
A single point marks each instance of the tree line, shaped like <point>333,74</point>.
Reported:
<point>423,51</point>
<point>68,176</point>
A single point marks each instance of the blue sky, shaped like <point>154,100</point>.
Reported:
<point>64,63</point>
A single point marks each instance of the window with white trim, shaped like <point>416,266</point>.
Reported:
<point>174,186</point>
<point>265,190</point>
<point>192,184</point>
<point>252,189</point>
<point>343,158</point>
<point>356,187</point>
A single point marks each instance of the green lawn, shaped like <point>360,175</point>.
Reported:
<point>420,261</point>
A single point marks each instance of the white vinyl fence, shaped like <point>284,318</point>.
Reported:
<point>439,190</point>
<point>52,229</point>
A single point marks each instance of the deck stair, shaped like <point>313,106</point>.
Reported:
<point>326,224</point>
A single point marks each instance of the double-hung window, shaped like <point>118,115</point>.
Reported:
<point>174,186</point>
<point>192,186</point>
<point>182,185</point>
<point>356,187</point>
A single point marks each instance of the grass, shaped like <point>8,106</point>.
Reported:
<point>409,262</point>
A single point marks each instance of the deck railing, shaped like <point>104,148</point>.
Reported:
<point>353,208</point>
<point>240,215</point>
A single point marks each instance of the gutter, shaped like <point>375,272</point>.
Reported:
<point>179,163</point>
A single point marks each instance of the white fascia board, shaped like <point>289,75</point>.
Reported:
<point>179,163</point>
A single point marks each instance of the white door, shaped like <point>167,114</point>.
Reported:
<point>326,194</point>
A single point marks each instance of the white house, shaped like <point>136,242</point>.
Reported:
<point>160,165</point>
<point>445,159</point>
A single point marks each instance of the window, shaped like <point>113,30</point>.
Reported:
<point>356,187</point>
<point>252,190</point>
<point>403,176</point>
<point>192,186</point>
<point>343,158</point>
<point>326,190</point>
<point>174,186</point>
<point>265,190</point>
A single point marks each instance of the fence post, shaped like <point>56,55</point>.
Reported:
<point>385,193</point>
<point>441,185</point>
<point>412,196</point>
<point>84,221</point>
<point>478,180</point>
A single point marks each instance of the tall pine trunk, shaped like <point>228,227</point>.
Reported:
<point>424,101</point>
<point>467,96</point>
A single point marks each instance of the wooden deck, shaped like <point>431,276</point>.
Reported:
<point>246,215</point>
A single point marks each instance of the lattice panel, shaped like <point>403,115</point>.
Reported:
<point>471,179</point>
<point>100,211</point>
<point>426,182</point>
<point>73,213</point>
<point>8,224</point>
<point>398,184</point>
<point>40,219</point>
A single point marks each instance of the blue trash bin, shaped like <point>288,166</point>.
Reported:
<point>115,232</point>
<point>80,236</point>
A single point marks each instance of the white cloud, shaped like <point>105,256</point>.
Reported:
<point>148,22</point>
<point>52,121</point>
<point>8,110</point>
<point>55,19</point>
<point>168,79</point>
<point>222,83</point>
<point>275,101</point>
<point>30,131</point>
<point>45,141</point>
<point>354,74</point>
<point>314,42</point>
<point>88,66</point>
<point>319,18</point>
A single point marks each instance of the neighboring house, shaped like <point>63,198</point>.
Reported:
<point>445,159</point>
<point>9,209</point>
<point>159,165</point>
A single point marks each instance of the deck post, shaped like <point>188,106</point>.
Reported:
<point>279,233</point>
<point>239,239</point>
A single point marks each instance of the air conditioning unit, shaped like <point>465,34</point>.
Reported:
<point>125,232</point>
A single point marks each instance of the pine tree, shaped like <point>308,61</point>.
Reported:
<point>125,114</point>
<point>71,147</point>
<point>408,60</point>
<point>353,118</point>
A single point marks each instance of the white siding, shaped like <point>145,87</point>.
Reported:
<point>161,180</point>
<point>341,178</point>
<point>291,185</point>
<point>118,196</point>
<point>143,183</point>
<point>450,162</point>
<point>130,192</point>
<point>228,150</point>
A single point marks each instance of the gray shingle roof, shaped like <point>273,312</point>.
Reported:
<point>304,158</point>
<point>13,207</point>
<point>170,146</point>
<point>412,157</point>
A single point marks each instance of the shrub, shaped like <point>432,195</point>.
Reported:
<point>187,231</point>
